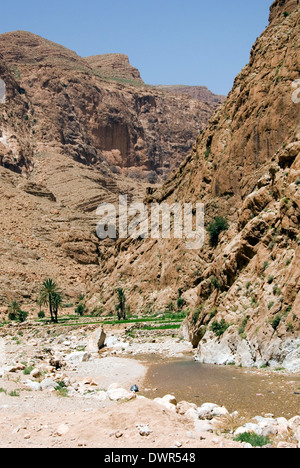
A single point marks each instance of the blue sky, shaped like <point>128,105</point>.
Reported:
<point>191,42</point>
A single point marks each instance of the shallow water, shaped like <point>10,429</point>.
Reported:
<point>251,392</point>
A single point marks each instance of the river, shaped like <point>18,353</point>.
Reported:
<point>251,392</point>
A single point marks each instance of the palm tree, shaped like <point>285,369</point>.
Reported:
<point>13,310</point>
<point>121,307</point>
<point>50,295</point>
<point>57,301</point>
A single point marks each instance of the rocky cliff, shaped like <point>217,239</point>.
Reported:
<point>75,132</point>
<point>243,286</point>
<point>98,110</point>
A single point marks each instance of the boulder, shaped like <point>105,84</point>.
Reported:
<point>77,357</point>
<point>116,394</point>
<point>168,401</point>
<point>96,341</point>
<point>48,384</point>
<point>34,386</point>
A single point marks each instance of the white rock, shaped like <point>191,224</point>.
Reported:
<point>120,394</point>
<point>35,386</point>
<point>168,401</point>
<point>35,373</point>
<point>203,426</point>
<point>220,411</point>
<point>294,423</point>
<point>96,341</point>
<point>62,430</point>
<point>144,430</point>
<point>249,427</point>
<point>77,357</point>
<point>48,384</point>
<point>297,434</point>
<point>206,411</point>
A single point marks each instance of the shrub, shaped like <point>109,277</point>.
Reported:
<point>80,309</point>
<point>196,315</point>
<point>253,439</point>
<point>242,328</point>
<point>41,314</point>
<point>215,282</point>
<point>270,279</point>
<point>219,328</point>
<point>215,228</point>
<point>22,316</point>
<point>265,265</point>
<point>276,322</point>
<point>15,313</point>
<point>276,290</point>
<point>213,312</point>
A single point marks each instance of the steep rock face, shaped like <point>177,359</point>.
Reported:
<point>96,112</point>
<point>69,139</point>
<point>201,93</point>
<point>115,66</point>
<point>16,146</point>
<point>244,292</point>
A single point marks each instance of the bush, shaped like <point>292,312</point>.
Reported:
<point>196,315</point>
<point>270,279</point>
<point>276,322</point>
<point>80,309</point>
<point>41,314</point>
<point>219,328</point>
<point>22,316</point>
<point>215,228</point>
<point>215,282</point>
<point>15,313</point>
<point>253,439</point>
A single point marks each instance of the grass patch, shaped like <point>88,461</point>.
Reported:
<point>162,327</point>
<point>61,389</point>
<point>253,439</point>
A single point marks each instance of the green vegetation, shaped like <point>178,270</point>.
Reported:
<point>51,296</point>
<point>219,328</point>
<point>196,315</point>
<point>81,310</point>
<point>61,389</point>
<point>15,312</point>
<point>213,312</point>
<point>242,328</point>
<point>207,152</point>
<point>180,301</point>
<point>215,282</point>
<point>28,370</point>
<point>121,306</point>
<point>276,322</point>
<point>162,327</point>
<point>276,290</point>
<point>215,228</point>
<point>253,439</point>
<point>270,279</point>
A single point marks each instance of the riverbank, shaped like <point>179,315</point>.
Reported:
<point>54,393</point>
